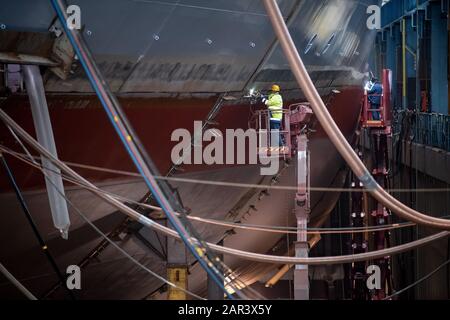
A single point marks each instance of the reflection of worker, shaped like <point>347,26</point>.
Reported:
<point>275,104</point>
<point>375,90</point>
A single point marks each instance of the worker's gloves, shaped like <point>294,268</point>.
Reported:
<point>264,99</point>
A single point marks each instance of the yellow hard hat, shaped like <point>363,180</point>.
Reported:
<point>276,88</point>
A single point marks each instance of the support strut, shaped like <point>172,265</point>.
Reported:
<point>44,132</point>
<point>302,211</point>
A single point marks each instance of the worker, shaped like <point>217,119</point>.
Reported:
<point>375,90</point>
<point>275,105</point>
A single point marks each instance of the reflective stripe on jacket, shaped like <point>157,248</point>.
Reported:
<point>275,104</point>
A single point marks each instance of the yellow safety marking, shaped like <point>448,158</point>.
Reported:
<point>179,277</point>
<point>199,251</point>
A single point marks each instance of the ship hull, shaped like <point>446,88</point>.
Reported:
<point>168,62</point>
<point>84,136</point>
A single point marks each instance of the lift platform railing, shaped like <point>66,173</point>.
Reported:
<point>368,112</point>
<point>281,142</point>
<point>433,129</point>
<point>272,142</point>
<point>384,111</point>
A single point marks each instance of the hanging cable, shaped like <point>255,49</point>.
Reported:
<point>126,254</point>
<point>137,153</point>
<point>224,223</point>
<point>26,211</point>
<point>17,283</point>
<point>418,281</point>
<point>238,253</point>
<point>231,278</point>
<point>333,131</point>
<point>236,184</point>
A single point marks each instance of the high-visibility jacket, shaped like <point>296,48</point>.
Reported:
<point>275,104</point>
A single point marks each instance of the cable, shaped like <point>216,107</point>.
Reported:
<point>238,253</point>
<point>231,278</point>
<point>330,127</point>
<point>240,185</point>
<point>224,223</point>
<point>237,225</point>
<point>136,151</point>
<point>16,283</point>
<point>35,229</point>
<point>33,162</point>
<point>418,281</point>
<point>234,278</point>
<point>126,254</point>
<point>145,166</point>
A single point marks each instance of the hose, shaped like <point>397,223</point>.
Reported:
<point>332,130</point>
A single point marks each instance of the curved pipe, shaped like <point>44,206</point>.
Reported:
<point>222,223</point>
<point>332,130</point>
<point>239,253</point>
<point>137,152</point>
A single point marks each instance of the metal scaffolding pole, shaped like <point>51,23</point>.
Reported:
<point>302,211</point>
<point>44,132</point>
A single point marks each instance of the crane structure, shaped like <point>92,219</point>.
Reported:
<point>291,142</point>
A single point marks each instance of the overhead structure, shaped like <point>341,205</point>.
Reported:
<point>299,132</point>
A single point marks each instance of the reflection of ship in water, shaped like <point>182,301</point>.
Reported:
<point>168,63</point>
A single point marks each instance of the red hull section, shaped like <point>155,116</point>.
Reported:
<point>84,135</point>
